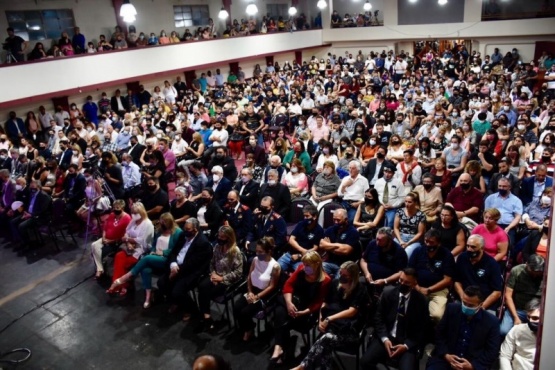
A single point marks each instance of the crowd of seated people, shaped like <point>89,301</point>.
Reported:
<point>419,239</point>
<point>131,38</point>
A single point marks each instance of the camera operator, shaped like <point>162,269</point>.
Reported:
<point>15,45</point>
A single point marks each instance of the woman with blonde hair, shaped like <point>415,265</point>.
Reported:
<point>192,153</point>
<point>137,238</point>
<point>226,268</point>
<point>496,239</point>
<point>342,316</point>
<point>164,241</point>
<point>303,295</point>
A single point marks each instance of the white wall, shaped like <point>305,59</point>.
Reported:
<point>132,64</point>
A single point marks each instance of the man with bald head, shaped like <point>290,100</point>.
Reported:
<point>466,199</point>
<point>210,362</point>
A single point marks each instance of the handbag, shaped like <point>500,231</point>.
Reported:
<point>103,204</point>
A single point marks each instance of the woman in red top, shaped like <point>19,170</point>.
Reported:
<point>114,230</point>
<point>303,295</point>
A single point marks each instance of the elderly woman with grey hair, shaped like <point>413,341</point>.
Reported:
<point>181,207</point>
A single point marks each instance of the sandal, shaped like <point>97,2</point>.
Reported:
<point>123,292</point>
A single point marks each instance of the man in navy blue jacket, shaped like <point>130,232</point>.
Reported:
<point>467,336</point>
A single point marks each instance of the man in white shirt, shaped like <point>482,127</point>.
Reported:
<point>45,118</point>
<point>518,351</point>
<point>400,68</point>
<point>307,103</point>
<point>352,189</point>
<point>179,145</point>
<point>131,176</point>
<point>391,193</point>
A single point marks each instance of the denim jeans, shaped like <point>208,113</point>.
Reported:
<point>331,269</point>
<point>507,322</point>
<point>411,247</point>
<point>287,264</point>
<point>390,217</point>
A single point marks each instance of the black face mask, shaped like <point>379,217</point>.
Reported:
<point>118,211</point>
<point>431,249</point>
<point>533,326</point>
<point>428,186</point>
<point>474,254</point>
<point>222,242</point>
<point>348,155</point>
<point>189,234</point>
<point>204,200</point>
<point>404,289</point>
<point>546,159</point>
<point>152,187</point>
<point>503,192</point>
<point>344,279</point>
<point>368,201</point>
<point>380,155</point>
<point>265,210</point>
<point>465,187</point>
<point>545,230</point>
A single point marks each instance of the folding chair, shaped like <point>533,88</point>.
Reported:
<point>327,212</point>
<point>58,221</point>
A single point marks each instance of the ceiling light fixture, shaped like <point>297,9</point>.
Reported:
<point>252,9</point>
<point>367,6</point>
<point>322,4</point>
<point>292,11</point>
<point>442,2</point>
<point>128,12</point>
<point>223,14</point>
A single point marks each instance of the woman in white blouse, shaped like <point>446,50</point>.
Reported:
<point>169,92</point>
<point>137,238</point>
<point>157,96</point>
<point>262,282</point>
<point>167,235</point>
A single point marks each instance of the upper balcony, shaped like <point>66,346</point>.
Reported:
<point>71,75</point>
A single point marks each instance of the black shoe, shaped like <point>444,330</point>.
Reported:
<point>204,325</point>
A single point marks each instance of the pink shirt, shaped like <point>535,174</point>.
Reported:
<point>491,238</point>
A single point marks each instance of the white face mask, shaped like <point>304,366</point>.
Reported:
<point>455,145</point>
<point>327,171</point>
<point>136,217</point>
<point>521,127</point>
<point>75,152</point>
<point>372,142</point>
<point>216,178</point>
<point>294,170</point>
<point>271,182</point>
<point>18,187</point>
<point>546,200</point>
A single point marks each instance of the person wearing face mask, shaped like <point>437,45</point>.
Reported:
<point>262,283</point>
<point>538,210</point>
<point>138,237</point>
<point>466,200</point>
<point>8,190</point>
<point>227,163</point>
<point>298,151</point>
<point>259,153</point>
<point>220,185</point>
<point>524,284</point>
<point>267,222</point>
<point>209,213</point>
<point>504,172</point>
<point>518,350</point>
<point>74,189</point>
<point>401,321</point>
<point>435,266</point>
<point>509,206</point>
<point>546,160</point>
<point>324,188</point>
<point>131,175</point>
<point>475,267</point>
<point>188,261</point>
<point>532,187</point>
<point>66,153</point>
<point>507,110</point>
<point>275,189</point>
<point>35,212</point>
<point>305,237</point>
<point>165,239</point>
<point>238,216</point>
<point>303,295</point>
<point>123,139</point>
<point>155,199</point>
<point>342,316</point>
<point>467,336</point>
<point>226,268</point>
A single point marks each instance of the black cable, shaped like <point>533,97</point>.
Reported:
<point>43,304</point>
<point>18,361</point>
